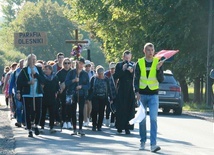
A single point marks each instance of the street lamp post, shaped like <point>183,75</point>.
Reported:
<point>209,48</point>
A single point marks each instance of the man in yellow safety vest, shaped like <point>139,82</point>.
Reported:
<point>148,74</point>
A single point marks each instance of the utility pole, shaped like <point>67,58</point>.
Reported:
<point>209,48</point>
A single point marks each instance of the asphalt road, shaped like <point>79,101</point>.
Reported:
<point>182,135</point>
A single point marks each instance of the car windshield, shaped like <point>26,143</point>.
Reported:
<point>169,79</point>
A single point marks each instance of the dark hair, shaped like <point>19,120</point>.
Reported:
<point>49,67</point>
<point>60,54</point>
<point>127,52</point>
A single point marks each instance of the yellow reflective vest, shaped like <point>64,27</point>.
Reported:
<point>151,81</point>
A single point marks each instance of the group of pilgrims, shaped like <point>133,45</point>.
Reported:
<point>36,91</point>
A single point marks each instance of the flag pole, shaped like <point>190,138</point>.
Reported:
<point>34,106</point>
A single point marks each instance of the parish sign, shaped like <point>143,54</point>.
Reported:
<point>30,39</point>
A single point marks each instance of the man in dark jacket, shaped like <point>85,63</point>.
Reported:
<point>125,102</point>
<point>77,83</point>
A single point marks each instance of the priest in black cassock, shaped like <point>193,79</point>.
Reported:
<point>125,102</point>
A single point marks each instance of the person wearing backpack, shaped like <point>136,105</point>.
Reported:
<point>99,92</point>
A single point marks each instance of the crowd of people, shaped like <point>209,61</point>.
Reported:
<point>36,90</point>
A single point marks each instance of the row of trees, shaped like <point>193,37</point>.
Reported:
<point>47,16</point>
<point>116,26</point>
<point>169,24</point>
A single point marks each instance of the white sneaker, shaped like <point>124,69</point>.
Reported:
<point>107,122</point>
<point>155,148</point>
<point>142,146</point>
<point>112,125</point>
<point>88,121</point>
<point>85,124</point>
<point>69,125</point>
<point>65,126</point>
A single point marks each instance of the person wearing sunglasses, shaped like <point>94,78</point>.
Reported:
<point>66,108</point>
<point>77,83</point>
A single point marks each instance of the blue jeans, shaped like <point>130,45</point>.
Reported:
<point>19,109</point>
<point>151,101</point>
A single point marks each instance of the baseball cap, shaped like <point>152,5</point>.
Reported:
<point>82,60</point>
<point>87,62</point>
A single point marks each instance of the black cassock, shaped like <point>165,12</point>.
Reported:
<point>125,100</point>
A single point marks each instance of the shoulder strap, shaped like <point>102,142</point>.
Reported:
<point>94,82</point>
<point>25,74</point>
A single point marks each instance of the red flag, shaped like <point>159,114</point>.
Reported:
<point>166,54</point>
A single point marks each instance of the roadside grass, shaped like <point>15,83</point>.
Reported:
<point>192,106</point>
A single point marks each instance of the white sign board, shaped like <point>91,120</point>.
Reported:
<point>30,39</point>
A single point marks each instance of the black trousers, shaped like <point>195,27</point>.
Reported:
<point>98,108</point>
<point>57,111</point>
<point>65,109</point>
<point>32,114</point>
<point>51,109</point>
<point>81,103</point>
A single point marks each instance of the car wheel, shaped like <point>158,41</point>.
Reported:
<point>177,111</point>
<point>166,110</point>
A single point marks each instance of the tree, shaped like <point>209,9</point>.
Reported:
<point>47,17</point>
<point>177,24</point>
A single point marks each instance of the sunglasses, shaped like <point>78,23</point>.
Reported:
<point>67,63</point>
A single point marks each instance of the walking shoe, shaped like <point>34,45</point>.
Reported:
<point>93,128</point>
<point>18,124</point>
<point>119,130</point>
<point>69,125</point>
<point>30,134</point>
<point>112,125</point>
<point>155,148</point>
<point>57,123</point>
<point>81,132</point>
<point>142,146</point>
<point>99,129</point>
<point>74,132</point>
<point>52,130</point>
<point>127,132</point>
<point>36,130</point>
<point>42,130</point>
<point>85,124</point>
<point>65,126</point>
<point>107,122</point>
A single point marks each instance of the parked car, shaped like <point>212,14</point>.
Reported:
<point>170,95</point>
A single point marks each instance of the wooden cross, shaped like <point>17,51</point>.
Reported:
<point>76,42</point>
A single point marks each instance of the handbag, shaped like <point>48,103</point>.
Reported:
<point>140,115</point>
<point>69,99</point>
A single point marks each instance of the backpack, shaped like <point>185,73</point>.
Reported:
<point>100,87</point>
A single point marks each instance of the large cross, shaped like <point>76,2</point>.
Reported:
<point>76,42</point>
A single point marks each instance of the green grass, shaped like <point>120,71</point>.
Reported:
<point>191,106</point>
